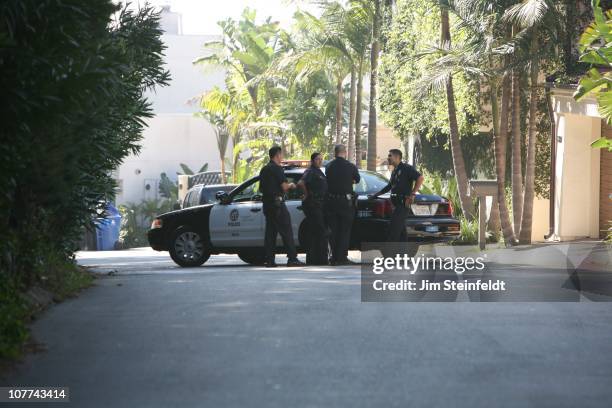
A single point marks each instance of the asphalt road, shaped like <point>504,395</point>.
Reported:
<point>151,334</point>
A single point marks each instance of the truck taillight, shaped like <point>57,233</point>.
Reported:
<point>450,208</point>
<point>157,223</point>
<point>382,208</point>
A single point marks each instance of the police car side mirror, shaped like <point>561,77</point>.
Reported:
<point>222,197</point>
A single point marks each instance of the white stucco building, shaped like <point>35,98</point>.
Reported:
<point>174,135</point>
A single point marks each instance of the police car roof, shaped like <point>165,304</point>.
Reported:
<point>215,185</point>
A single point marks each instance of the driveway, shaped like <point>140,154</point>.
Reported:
<point>150,334</point>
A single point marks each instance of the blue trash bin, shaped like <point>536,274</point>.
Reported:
<point>107,228</point>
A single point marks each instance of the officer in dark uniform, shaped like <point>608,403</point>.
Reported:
<point>341,175</point>
<point>274,185</point>
<point>314,184</point>
<point>404,184</point>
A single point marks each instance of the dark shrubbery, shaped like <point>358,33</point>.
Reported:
<point>73,77</point>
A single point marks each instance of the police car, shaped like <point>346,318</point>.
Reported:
<point>235,223</point>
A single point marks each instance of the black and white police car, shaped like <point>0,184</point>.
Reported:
<point>235,224</point>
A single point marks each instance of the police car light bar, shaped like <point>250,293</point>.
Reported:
<point>295,163</point>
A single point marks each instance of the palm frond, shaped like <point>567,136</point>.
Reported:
<point>528,13</point>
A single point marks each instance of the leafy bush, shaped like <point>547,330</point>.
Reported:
<point>596,49</point>
<point>13,313</point>
<point>469,233</point>
<point>73,78</point>
<point>137,218</point>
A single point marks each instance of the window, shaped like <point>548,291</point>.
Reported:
<point>186,199</point>
<point>250,192</point>
<point>370,183</point>
<point>207,196</point>
<point>194,197</point>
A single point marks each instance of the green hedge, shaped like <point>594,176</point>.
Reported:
<point>74,74</point>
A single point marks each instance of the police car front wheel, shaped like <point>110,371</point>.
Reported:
<point>187,248</point>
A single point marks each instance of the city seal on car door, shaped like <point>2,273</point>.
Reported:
<point>233,218</point>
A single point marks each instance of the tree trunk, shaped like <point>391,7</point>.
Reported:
<point>235,142</point>
<point>494,223</point>
<point>517,171</point>
<point>500,141</point>
<point>330,140</point>
<point>358,114</point>
<point>351,129</point>
<point>467,206</point>
<point>223,178</point>
<point>339,103</point>
<point>374,51</point>
<point>527,218</point>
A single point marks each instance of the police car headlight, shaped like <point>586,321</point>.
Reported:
<point>157,223</point>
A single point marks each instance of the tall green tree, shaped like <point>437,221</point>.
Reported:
<point>596,50</point>
<point>74,78</point>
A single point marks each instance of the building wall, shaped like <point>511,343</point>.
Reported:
<point>174,135</point>
<point>169,140</point>
<point>577,177</point>
<point>605,188</point>
<point>385,140</point>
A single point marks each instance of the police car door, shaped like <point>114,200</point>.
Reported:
<point>294,205</point>
<point>239,223</point>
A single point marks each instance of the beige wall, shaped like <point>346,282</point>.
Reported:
<point>540,223</point>
<point>577,177</point>
<point>385,140</point>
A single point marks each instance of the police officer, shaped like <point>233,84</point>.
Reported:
<point>274,185</point>
<point>404,184</point>
<point>341,175</point>
<point>314,184</point>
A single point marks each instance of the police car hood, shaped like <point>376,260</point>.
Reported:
<point>194,209</point>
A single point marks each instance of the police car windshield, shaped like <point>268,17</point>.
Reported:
<point>370,183</point>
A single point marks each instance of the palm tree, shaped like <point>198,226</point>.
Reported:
<point>335,43</point>
<point>517,172</point>
<point>358,113</point>
<point>533,17</point>
<point>480,55</point>
<point>216,107</point>
<point>374,51</point>
<point>351,129</point>
<point>323,48</point>
<point>246,50</point>
<point>500,145</point>
<point>467,205</point>
<point>354,23</point>
<point>363,16</point>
